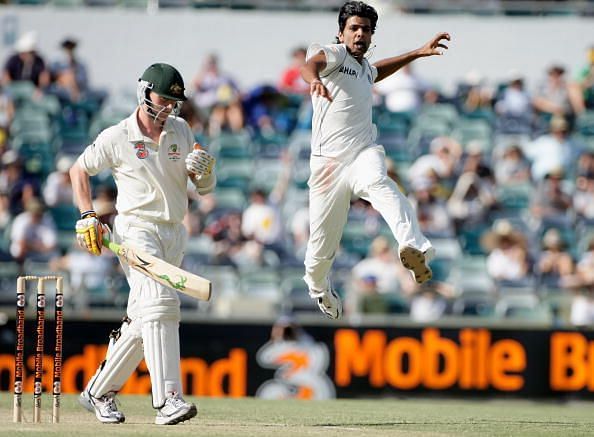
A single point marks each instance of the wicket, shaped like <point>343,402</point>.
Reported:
<point>19,356</point>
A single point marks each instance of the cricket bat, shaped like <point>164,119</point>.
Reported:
<point>161,271</point>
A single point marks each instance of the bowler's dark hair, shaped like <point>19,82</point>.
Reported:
<point>356,9</point>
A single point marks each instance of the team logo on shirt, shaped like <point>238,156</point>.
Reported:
<point>173,153</point>
<point>141,150</point>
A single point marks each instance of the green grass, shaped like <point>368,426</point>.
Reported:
<point>384,417</point>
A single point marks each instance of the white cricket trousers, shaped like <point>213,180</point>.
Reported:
<point>332,184</point>
<point>154,313</point>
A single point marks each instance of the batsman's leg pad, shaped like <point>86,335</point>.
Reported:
<point>161,353</point>
<point>123,356</point>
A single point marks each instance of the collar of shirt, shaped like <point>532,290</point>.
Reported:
<point>135,135</point>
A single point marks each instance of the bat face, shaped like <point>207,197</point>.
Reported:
<point>163,272</point>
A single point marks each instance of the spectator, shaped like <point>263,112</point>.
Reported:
<point>26,64</point>
<point>13,181</point>
<point>430,302</point>
<point>551,151</point>
<point>555,262</point>
<point>507,258</point>
<point>432,212</point>
<point>291,81</point>
<point>5,223</point>
<point>261,221</point>
<point>218,94</point>
<point>475,162</point>
<point>6,116</point>
<point>69,74</point>
<point>87,273</point>
<point>263,109</point>
<point>552,96</point>
<point>444,156</point>
<point>471,201</point>
<point>515,100</point>
<point>382,265</point>
<point>286,328</point>
<point>583,88</point>
<point>58,187</point>
<point>404,91</point>
<point>582,198</point>
<point>473,94</point>
<point>552,202</point>
<point>33,234</point>
<point>195,118</point>
<point>512,167</point>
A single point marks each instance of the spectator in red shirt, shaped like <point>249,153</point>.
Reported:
<point>291,81</point>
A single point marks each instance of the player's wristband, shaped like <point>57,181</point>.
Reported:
<point>87,214</point>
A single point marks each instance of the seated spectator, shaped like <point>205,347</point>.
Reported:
<point>582,282</point>
<point>227,236</point>
<point>471,201</point>
<point>555,262</point>
<point>263,109</point>
<point>512,167</point>
<point>515,100</point>
<point>475,162</point>
<point>218,94</point>
<point>5,222</point>
<point>33,234</point>
<point>473,93</point>
<point>69,74</point>
<point>26,64</point>
<point>58,187</point>
<point>582,198</point>
<point>6,116</point>
<point>20,188</point>
<point>432,212</point>
<point>429,303</point>
<point>583,88</point>
<point>551,151</point>
<point>507,258</point>
<point>194,117</point>
<point>552,202</point>
<point>383,265</point>
<point>87,273</point>
<point>261,220</point>
<point>291,81</point>
<point>585,164</point>
<point>553,96</point>
<point>444,156</point>
<point>403,91</point>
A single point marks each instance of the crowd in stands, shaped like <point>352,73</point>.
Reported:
<point>501,176</point>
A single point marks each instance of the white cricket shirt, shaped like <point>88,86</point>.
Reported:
<point>343,127</point>
<point>151,178</point>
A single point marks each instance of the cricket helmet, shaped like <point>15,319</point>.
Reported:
<point>164,80</point>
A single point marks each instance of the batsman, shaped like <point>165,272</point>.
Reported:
<point>151,156</point>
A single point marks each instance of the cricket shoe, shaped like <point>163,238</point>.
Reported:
<point>105,407</point>
<point>328,301</point>
<point>85,401</point>
<point>417,262</point>
<point>175,410</point>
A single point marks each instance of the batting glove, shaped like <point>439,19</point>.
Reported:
<point>200,163</point>
<point>89,232</point>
